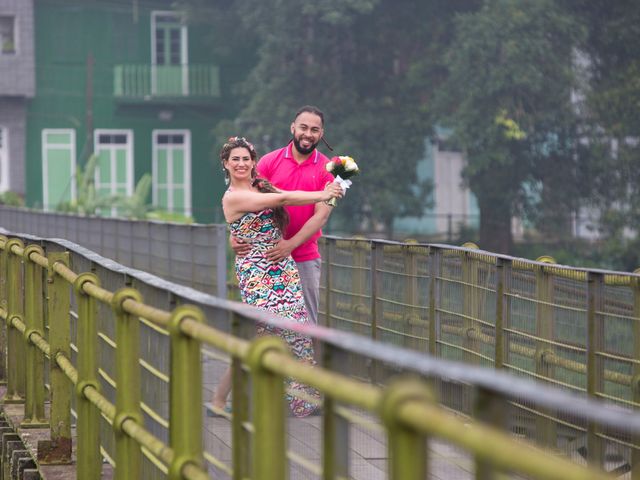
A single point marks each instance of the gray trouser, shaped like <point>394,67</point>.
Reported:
<point>310,280</point>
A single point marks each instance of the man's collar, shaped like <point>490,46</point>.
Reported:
<point>289,154</point>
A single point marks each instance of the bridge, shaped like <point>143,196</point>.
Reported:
<point>532,371</point>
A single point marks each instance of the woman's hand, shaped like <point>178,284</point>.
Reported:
<point>332,190</point>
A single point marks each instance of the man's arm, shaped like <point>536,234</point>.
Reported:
<point>284,247</point>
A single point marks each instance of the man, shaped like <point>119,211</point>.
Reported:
<point>299,166</point>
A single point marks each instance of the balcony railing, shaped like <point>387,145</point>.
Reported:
<point>146,82</point>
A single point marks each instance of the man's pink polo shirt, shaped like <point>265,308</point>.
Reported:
<point>281,169</point>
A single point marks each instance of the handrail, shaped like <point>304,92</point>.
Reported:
<point>404,410</point>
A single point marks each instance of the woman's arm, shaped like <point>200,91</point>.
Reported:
<point>237,203</point>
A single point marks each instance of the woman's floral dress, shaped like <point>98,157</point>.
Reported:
<point>274,287</point>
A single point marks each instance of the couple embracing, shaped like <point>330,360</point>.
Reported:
<point>275,209</point>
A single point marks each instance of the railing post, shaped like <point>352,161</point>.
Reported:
<point>269,447</point>
<point>470,307</point>
<point>185,410</point>
<point>58,449</point>
<point>34,416</point>
<point>594,365</point>
<point>434,299</point>
<point>15,308</point>
<point>89,458</point>
<point>491,409</point>
<point>376,254</point>
<point>128,452</point>
<point>503,270</point>
<point>635,455</point>
<point>335,428</point>
<point>3,305</point>
<point>328,259</point>
<point>360,309</point>
<point>241,452</point>
<point>545,426</point>
<point>407,447</point>
<point>410,292</point>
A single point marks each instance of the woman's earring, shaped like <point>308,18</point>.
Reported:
<point>253,173</point>
<point>226,176</point>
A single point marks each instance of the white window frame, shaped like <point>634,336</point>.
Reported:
<point>184,49</point>
<point>129,152</point>
<point>14,39</point>
<point>4,159</point>
<point>187,167</point>
<point>45,163</point>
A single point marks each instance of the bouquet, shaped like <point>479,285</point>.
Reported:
<point>342,168</point>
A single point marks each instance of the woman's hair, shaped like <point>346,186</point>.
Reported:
<point>280,215</point>
<point>235,142</point>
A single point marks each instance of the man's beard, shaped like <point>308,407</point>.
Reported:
<point>304,151</point>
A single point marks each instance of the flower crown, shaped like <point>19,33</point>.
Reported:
<point>240,141</point>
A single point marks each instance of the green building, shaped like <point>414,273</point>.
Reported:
<point>133,82</point>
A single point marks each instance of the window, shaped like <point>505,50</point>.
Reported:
<point>58,167</point>
<point>7,35</point>
<point>172,170</point>
<point>169,54</point>
<point>114,168</point>
<point>4,160</point>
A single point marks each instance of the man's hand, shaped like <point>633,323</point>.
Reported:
<point>239,246</point>
<point>280,250</point>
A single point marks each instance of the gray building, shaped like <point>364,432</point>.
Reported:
<point>17,87</point>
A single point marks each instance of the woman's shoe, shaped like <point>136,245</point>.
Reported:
<point>212,411</point>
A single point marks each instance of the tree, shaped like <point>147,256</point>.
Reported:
<point>508,98</point>
<point>612,131</point>
<point>372,66</point>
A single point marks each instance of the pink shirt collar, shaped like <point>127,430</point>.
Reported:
<point>289,154</point>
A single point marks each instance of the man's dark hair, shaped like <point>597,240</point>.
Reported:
<point>310,109</point>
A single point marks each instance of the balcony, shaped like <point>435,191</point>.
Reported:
<point>153,84</point>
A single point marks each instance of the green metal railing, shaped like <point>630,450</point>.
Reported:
<point>45,304</point>
<point>574,328</point>
<point>147,81</point>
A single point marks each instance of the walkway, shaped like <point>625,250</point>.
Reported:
<point>367,444</point>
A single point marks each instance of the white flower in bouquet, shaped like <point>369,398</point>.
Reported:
<point>342,168</point>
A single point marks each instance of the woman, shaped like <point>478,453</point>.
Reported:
<point>253,208</point>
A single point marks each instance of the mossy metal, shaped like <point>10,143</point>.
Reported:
<point>595,384</point>
<point>89,458</point>
<point>546,430</point>
<point>635,455</point>
<point>16,382</point>
<point>3,306</point>
<point>58,306</point>
<point>241,438</point>
<point>490,409</point>
<point>128,451</point>
<point>185,411</point>
<point>407,446</point>
<point>34,416</point>
<point>269,447</point>
<point>434,298</point>
<point>335,438</point>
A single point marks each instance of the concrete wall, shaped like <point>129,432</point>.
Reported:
<point>12,119</point>
<point>17,70</point>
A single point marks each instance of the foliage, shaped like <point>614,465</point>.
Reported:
<point>611,146</point>
<point>136,206</point>
<point>87,202</point>
<point>371,65</point>
<point>542,96</point>
<point>11,199</point>
<point>507,97</point>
